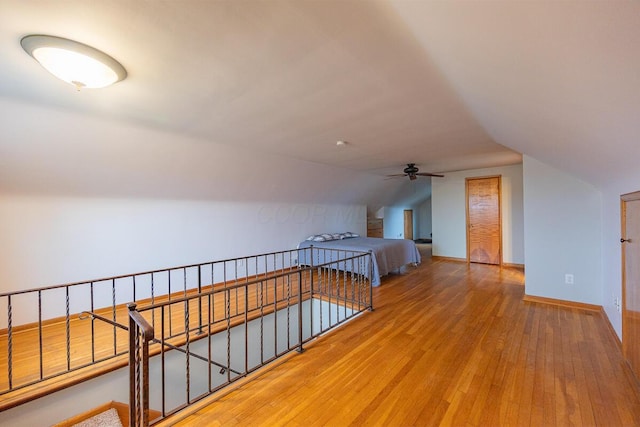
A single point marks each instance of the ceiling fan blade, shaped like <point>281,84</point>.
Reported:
<point>397,174</point>
<point>429,174</point>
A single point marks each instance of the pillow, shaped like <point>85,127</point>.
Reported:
<point>320,237</point>
<point>325,237</point>
<point>348,235</point>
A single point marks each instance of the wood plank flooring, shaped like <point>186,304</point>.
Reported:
<point>447,344</point>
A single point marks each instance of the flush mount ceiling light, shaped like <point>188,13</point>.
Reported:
<point>76,63</point>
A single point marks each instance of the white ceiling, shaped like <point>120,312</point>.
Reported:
<point>555,80</point>
<point>448,85</point>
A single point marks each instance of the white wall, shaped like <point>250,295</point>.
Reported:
<point>57,152</point>
<point>449,213</point>
<point>394,222</point>
<point>53,240</point>
<point>423,219</point>
<point>563,234</point>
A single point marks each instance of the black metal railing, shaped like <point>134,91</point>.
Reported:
<point>46,325</point>
<point>240,328</point>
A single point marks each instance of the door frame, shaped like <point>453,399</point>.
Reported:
<point>629,197</point>
<point>468,226</point>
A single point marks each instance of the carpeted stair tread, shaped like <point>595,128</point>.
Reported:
<point>108,418</point>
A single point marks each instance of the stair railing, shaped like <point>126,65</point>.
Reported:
<point>251,323</point>
<point>34,321</point>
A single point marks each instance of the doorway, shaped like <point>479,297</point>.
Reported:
<point>408,224</point>
<point>630,242</point>
<point>484,220</point>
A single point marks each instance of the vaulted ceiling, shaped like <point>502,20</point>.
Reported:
<point>226,97</point>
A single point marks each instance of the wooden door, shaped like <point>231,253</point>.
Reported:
<point>630,239</point>
<point>408,224</point>
<point>484,224</point>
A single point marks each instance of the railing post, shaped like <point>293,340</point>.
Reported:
<point>300,349</point>
<point>133,410</point>
<point>140,333</point>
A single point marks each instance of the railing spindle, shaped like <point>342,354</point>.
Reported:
<point>275,318</point>
<point>68,328</point>
<point>262,322</point>
<point>153,300</point>
<point>188,358</point>
<point>209,355</point>
<point>227,294</point>
<point>246,329</point>
<point>170,316</point>
<point>9,342</point>
<point>199,300</point>
<point>40,343</point>
<point>288,312</point>
<point>93,326</point>
<point>163,378</point>
<point>113,313</point>
<point>300,349</point>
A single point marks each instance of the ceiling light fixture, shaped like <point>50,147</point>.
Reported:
<point>76,63</point>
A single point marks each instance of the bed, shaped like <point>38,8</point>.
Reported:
<point>388,254</point>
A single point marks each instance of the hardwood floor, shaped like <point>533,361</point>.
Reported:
<point>447,344</point>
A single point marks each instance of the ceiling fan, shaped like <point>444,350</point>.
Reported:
<point>412,172</point>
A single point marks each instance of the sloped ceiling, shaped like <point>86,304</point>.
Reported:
<point>247,99</point>
<point>556,80</point>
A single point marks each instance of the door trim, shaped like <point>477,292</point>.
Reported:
<point>466,197</point>
<point>629,197</point>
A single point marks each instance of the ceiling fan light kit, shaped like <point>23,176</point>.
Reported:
<point>73,62</point>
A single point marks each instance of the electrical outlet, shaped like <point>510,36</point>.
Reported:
<point>618,305</point>
<point>568,279</point>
